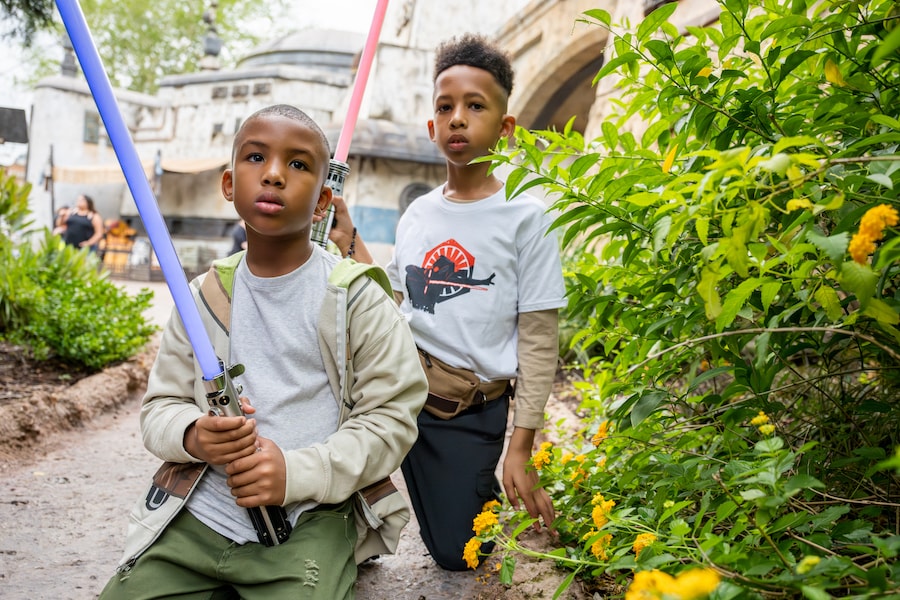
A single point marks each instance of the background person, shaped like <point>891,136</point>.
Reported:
<point>84,226</point>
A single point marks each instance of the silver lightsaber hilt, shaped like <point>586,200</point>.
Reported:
<point>270,522</point>
<point>337,173</point>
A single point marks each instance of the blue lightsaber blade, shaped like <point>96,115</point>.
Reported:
<point>270,522</point>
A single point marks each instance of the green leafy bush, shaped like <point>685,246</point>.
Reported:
<point>56,300</point>
<point>739,255</point>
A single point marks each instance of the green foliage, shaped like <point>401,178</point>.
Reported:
<point>736,253</point>
<point>25,17</point>
<point>55,300</point>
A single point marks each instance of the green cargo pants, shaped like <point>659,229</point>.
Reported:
<point>191,561</point>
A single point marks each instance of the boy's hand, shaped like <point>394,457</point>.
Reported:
<point>342,227</point>
<point>220,440</point>
<point>259,479</point>
<point>521,482</point>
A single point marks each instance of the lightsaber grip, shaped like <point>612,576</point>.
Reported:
<point>337,173</point>
<point>270,522</point>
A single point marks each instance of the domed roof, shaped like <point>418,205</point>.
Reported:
<point>329,49</point>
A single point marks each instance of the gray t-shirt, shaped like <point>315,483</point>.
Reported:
<point>274,335</point>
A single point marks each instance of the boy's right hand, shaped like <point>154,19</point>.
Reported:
<point>220,440</point>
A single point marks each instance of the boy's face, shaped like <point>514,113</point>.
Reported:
<point>469,113</point>
<point>277,176</point>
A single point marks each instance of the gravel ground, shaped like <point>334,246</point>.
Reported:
<point>64,504</point>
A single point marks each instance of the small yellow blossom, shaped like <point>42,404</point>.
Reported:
<point>871,229</point>
<point>490,505</point>
<point>668,504</point>
<point>695,584</point>
<point>768,429</point>
<point>760,419</point>
<point>601,462</point>
<point>642,541</point>
<point>470,552</point>
<point>546,445</point>
<point>600,512</point>
<point>689,585</point>
<point>579,458</point>
<point>541,459</point>
<point>602,433</point>
<point>861,246</point>
<point>566,457</point>
<point>600,547</point>
<point>484,521</point>
<point>806,565</point>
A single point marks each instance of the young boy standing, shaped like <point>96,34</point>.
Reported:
<point>480,281</point>
<point>301,446</point>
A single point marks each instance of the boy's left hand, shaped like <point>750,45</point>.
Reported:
<point>259,479</point>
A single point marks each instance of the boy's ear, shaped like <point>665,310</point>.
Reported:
<point>228,185</point>
<point>507,126</point>
<point>324,199</point>
<point>431,129</point>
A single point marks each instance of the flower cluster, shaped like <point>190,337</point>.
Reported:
<point>871,229</point>
<point>688,585</point>
<point>482,524</point>
<point>602,433</point>
<point>543,456</point>
<point>642,541</point>
<point>762,422</point>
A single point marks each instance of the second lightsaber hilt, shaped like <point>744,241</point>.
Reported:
<point>270,522</point>
<point>337,173</point>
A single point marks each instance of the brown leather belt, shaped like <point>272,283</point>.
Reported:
<point>487,391</point>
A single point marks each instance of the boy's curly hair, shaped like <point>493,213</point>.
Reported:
<point>475,51</point>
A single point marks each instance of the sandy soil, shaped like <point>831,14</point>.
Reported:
<point>72,463</point>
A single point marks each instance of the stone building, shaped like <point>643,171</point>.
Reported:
<point>183,133</point>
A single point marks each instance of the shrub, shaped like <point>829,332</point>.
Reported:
<point>740,257</point>
<point>55,300</point>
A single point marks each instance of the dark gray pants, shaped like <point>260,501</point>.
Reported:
<point>450,474</point>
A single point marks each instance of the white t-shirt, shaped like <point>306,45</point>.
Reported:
<point>467,270</point>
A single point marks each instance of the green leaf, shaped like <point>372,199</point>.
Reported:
<point>734,302</point>
<point>654,20</point>
<point>881,179</point>
<point>887,46</point>
<point>645,405</point>
<point>815,593</point>
<point>859,280</point>
<point>507,569</point>
<point>834,246</point>
<point>881,311</point>
<point>829,301</point>
<point>708,292</point>
<point>615,63</point>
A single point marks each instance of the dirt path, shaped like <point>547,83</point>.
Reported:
<point>64,506</point>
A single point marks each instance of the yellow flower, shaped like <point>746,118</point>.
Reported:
<point>649,585</point>
<point>760,419</point>
<point>546,445</point>
<point>601,462</point>
<point>470,552</point>
<point>767,429</point>
<point>642,541</point>
<point>694,584</point>
<point>566,458</point>
<point>806,565</point>
<point>600,547</point>
<point>877,219</point>
<point>490,505</point>
<point>871,229</point>
<point>541,459</point>
<point>600,512</point>
<point>602,433</point>
<point>689,585</point>
<point>861,246</point>
<point>668,504</point>
<point>484,521</point>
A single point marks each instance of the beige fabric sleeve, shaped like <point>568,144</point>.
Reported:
<point>538,353</point>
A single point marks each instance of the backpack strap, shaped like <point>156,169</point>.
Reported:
<point>343,274</point>
<point>215,291</point>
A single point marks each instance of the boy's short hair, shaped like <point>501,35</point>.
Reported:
<point>475,51</point>
<point>289,112</point>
